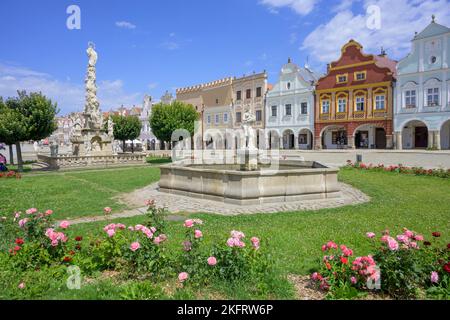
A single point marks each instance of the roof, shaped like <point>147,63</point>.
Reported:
<point>433,29</point>
<point>385,62</point>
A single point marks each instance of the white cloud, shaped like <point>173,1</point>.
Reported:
<point>125,25</point>
<point>68,95</point>
<point>302,7</point>
<point>293,38</point>
<point>170,45</point>
<point>153,85</point>
<point>399,20</point>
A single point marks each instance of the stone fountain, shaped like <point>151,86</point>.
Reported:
<point>249,181</point>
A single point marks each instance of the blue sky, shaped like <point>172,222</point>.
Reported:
<point>148,47</point>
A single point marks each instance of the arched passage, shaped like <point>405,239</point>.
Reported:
<point>445,135</point>
<point>370,136</point>
<point>288,139</point>
<point>415,135</point>
<point>305,139</point>
<point>334,137</point>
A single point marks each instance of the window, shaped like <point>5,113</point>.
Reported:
<point>410,98</point>
<point>217,119</point>
<point>248,94</point>
<point>433,60</point>
<point>288,85</point>
<point>217,101</point>
<point>342,104</point>
<point>379,102</point>
<point>208,119</point>
<point>238,117</point>
<point>361,75</point>
<point>325,106</point>
<point>433,97</point>
<point>288,109</point>
<point>239,95</point>
<point>274,111</point>
<point>258,92</point>
<point>302,138</point>
<point>225,117</point>
<point>304,108</point>
<point>341,78</point>
<point>258,115</point>
<point>360,101</point>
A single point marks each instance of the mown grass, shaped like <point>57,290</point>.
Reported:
<point>294,239</point>
<point>74,193</point>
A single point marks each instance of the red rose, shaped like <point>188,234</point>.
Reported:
<point>328,265</point>
<point>16,248</point>
<point>67,259</point>
<point>19,241</point>
<point>344,260</point>
<point>71,252</point>
<point>78,247</point>
<point>427,243</point>
<point>447,267</point>
<point>436,234</point>
<point>78,238</point>
<point>448,245</point>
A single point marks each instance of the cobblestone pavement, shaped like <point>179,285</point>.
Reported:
<point>183,204</point>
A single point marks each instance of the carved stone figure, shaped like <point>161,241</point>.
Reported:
<point>249,132</point>
<point>110,128</point>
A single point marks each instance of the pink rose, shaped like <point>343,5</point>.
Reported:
<point>64,224</point>
<point>187,246</point>
<point>392,244</point>
<point>107,210</point>
<point>16,215</point>
<point>408,233</point>
<point>157,240</point>
<point>54,243</point>
<point>414,245</point>
<point>353,280</point>
<point>48,212</point>
<point>255,242</point>
<point>198,234</point>
<point>23,222</point>
<point>21,285</point>
<point>230,242</point>
<point>163,237</point>
<point>418,237</point>
<point>434,277</point>
<point>212,261</point>
<point>370,235</point>
<point>332,245</point>
<point>183,276</point>
<point>111,232</point>
<point>134,246</point>
<point>189,223</point>
<point>31,211</point>
<point>315,276</point>
<point>237,234</point>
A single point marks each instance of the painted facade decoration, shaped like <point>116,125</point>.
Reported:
<point>422,105</point>
<point>354,101</point>
<point>289,109</point>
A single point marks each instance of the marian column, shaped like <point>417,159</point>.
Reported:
<point>94,140</point>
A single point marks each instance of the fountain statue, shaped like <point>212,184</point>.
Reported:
<point>248,155</point>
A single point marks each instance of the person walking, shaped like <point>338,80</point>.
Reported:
<point>3,167</point>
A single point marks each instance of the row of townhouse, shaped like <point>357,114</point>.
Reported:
<point>363,101</point>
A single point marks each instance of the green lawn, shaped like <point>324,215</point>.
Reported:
<point>74,193</point>
<point>419,203</point>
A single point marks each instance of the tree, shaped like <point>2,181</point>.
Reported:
<point>165,119</point>
<point>126,128</point>
<point>27,117</point>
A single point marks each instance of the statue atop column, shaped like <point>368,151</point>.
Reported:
<point>91,109</point>
<point>249,132</point>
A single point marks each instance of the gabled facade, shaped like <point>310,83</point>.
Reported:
<point>290,108</point>
<point>248,95</point>
<point>422,108</point>
<point>354,101</point>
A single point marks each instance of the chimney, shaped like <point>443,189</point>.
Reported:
<point>382,52</point>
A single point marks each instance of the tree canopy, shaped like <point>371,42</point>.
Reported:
<point>165,119</point>
<point>26,117</point>
<point>126,128</point>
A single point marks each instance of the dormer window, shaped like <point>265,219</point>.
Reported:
<point>341,78</point>
<point>360,75</point>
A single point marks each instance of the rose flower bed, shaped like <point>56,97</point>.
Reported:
<point>34,249</point>
<point>418,171</point>
<point>404,267</point>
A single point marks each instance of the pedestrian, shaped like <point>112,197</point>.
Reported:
<point>3,167</point>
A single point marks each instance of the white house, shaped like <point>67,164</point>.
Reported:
<point>422,93</point>
<point>290,108</point>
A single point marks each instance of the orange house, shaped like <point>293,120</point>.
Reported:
<point>354,101</point>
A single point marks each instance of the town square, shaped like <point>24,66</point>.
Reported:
<point>257,150</point>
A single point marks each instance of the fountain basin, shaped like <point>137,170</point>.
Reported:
<point>292,181</point>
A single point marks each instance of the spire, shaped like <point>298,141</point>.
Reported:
<point>433,18</point>
<point>289,60</point>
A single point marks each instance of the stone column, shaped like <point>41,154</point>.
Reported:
<point>389,141</point>
<point>398,141</point>
<point>437,139</point>
<point>351,142</point>
<point>296,145</point>
<point>430,139</point>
